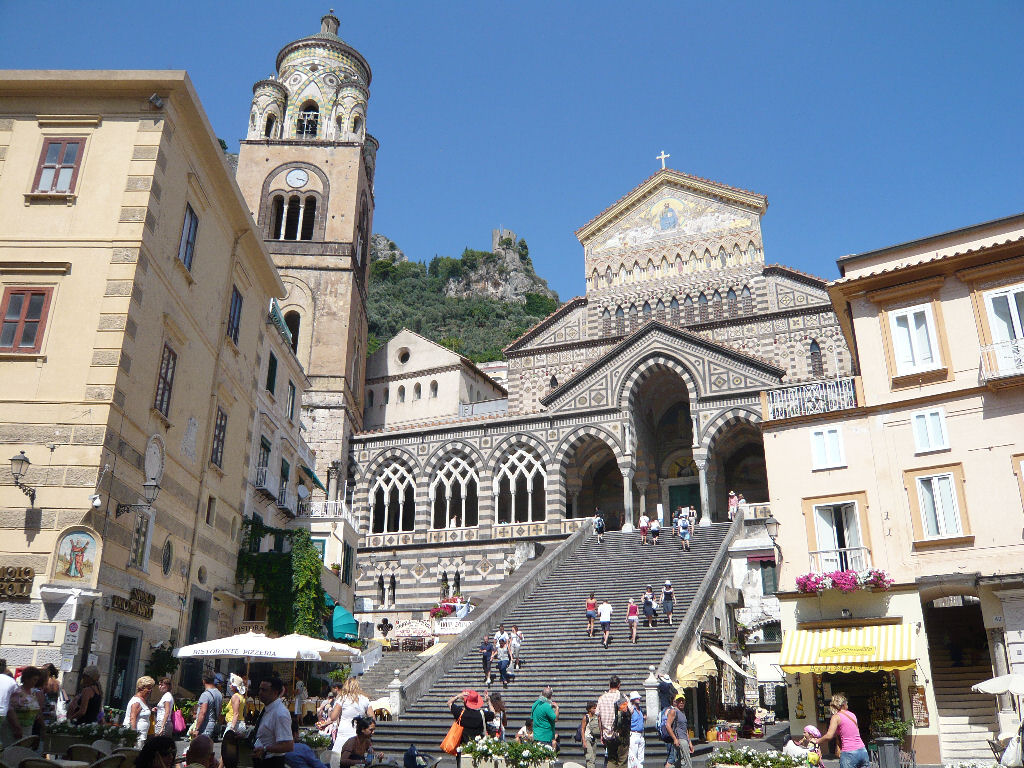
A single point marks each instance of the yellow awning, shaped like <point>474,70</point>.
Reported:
<point>695,668</point>
<point>858,649</point>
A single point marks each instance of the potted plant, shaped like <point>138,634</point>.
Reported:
<point>488,752</point>
<point>892,733</point>
<point>336,567</point>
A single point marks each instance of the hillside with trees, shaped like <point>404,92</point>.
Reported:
<point>474,305</point>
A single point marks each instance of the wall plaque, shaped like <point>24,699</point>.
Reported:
<point>918,705</point>
<point>16,580</point>
<point>138,603</point>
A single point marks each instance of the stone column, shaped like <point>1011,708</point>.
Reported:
<point>651,698</point>
<point>642,487</point>
<point>1006,717</point>
<point>332,480</point>
<point>705,496</point>
<point>626,468</point>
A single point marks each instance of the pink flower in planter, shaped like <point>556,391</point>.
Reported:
<point>844,581</point>
<point>876,578</point>
<point>812,583</point>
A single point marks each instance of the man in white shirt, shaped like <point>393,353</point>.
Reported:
<point>645,525</point>
<point>274,733</point>
<point>7,686</point>
<point>604,615</point>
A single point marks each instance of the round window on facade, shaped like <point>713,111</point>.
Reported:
<point>403,355</point>
<point>201,574</point>
<point>167,557</point>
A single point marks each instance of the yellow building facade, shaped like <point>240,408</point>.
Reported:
<point>912,468</point>
<point>137,333</point>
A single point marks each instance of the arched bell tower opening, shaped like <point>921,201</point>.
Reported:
<point>306,168</point>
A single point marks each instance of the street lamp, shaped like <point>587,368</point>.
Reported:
<point>19,466</point>
<point>150,490</point>
<point>771,527</point>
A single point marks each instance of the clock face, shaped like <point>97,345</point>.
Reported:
<point>154,461</point>
<point>297,177</point>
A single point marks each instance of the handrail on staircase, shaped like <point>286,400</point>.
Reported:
<point>701,602</point>
<point>423,678</point>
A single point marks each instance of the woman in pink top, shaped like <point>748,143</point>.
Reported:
<point>844,723</point>
<point>632,619</point>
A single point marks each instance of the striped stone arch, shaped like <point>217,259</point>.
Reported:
<point>645,367</point>
<point>382,458</point>
<point>567,447</point>
<point>721,424</point>
<point>510,442</point>
<point>455,446</point>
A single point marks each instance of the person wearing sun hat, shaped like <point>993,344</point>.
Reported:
<point>475,711</point>
<point>802,747</point>
<point>637,743</point>
<point>666,692</point>
<point>236,704</point>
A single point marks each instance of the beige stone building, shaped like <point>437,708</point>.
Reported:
<point>912,467</point>
<point>137,332</point>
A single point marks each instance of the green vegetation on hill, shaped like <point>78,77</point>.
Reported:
<point>409,294</point>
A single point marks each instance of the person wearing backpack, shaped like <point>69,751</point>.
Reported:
<point>613,713</point>
<point>637,743</point>
<point>589,733</point>
<point>684,530</point>
<point>680,748</point>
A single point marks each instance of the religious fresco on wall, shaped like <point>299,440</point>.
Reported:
<point>76,557</point>
<point>671,215</point>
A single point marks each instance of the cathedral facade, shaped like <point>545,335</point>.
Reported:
<point>640,396</point>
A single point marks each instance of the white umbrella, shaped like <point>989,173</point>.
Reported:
<point>1012,684</point>
<point>252,645</point>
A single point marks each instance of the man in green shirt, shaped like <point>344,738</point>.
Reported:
<point>544,714</point>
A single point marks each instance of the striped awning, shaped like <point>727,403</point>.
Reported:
<point>695,668</point>
<point>857,649</point>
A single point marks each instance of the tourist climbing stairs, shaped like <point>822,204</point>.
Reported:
<point>557,651</point>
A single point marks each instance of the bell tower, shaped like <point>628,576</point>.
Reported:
<point>306,170</point>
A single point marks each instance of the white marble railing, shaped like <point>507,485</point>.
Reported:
<point>450,626</point>
<point>325,510</point>
<point>1003,359</point>
<point>483,407</point>
<point>811,398</point>
<point>845,559</point>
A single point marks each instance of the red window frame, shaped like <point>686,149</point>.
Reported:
<point>20,320</point>
<point>59,165</point>
<point>165,380</point>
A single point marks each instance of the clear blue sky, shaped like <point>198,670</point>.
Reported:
<point>864,124</point>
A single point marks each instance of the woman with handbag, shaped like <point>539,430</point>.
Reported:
<point>472,713</point>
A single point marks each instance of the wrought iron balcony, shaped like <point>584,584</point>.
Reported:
<point>324,510</point>
<point>265,482</point>
<point>845,559</point>
<point>811,398</point>
<point>285,501</point>
<point>1002,364</point>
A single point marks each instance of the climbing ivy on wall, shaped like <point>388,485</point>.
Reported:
<point>289,582</point>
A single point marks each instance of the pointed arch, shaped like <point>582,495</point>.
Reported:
<point>307,122</point>
<point>723,257</point>
<point>392,498</point>
<point>518,483</point>
<point>746,300</point>
<point>673,310</point>
<point>731,304</point>
<point>455,493</point>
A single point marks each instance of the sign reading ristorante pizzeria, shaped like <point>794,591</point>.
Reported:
<point>139,603</point>
<point>16,580</point>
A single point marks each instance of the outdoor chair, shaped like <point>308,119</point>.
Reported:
<point>5,765</point>
<point>130,754</point>
<point>14,755</point>
<point>37,762</point>
<point>103,746</point>
<point>110,761</point>
<point>30,742</point>
<point>83,752</point>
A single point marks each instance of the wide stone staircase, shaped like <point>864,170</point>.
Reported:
<point>557,651</point>
<point>966,719</point>
<point>376,679</point>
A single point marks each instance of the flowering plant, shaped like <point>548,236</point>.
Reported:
<point>751,757</point>
<point>115,734</point>
<point>876,578</point>
<point>815,583</point>
<point>844,581</point>
<point>515,754</point>
<point>441,610</point>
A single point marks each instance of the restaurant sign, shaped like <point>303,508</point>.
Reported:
<point>16,580</point>
<point>138,603</point>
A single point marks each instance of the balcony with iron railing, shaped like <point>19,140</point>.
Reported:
<point>843,559</point>
<point>265,482</point>
<point>811,398</point>
<point>285,501</point>
<point>1002,364</point>
<point>324,510</point>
